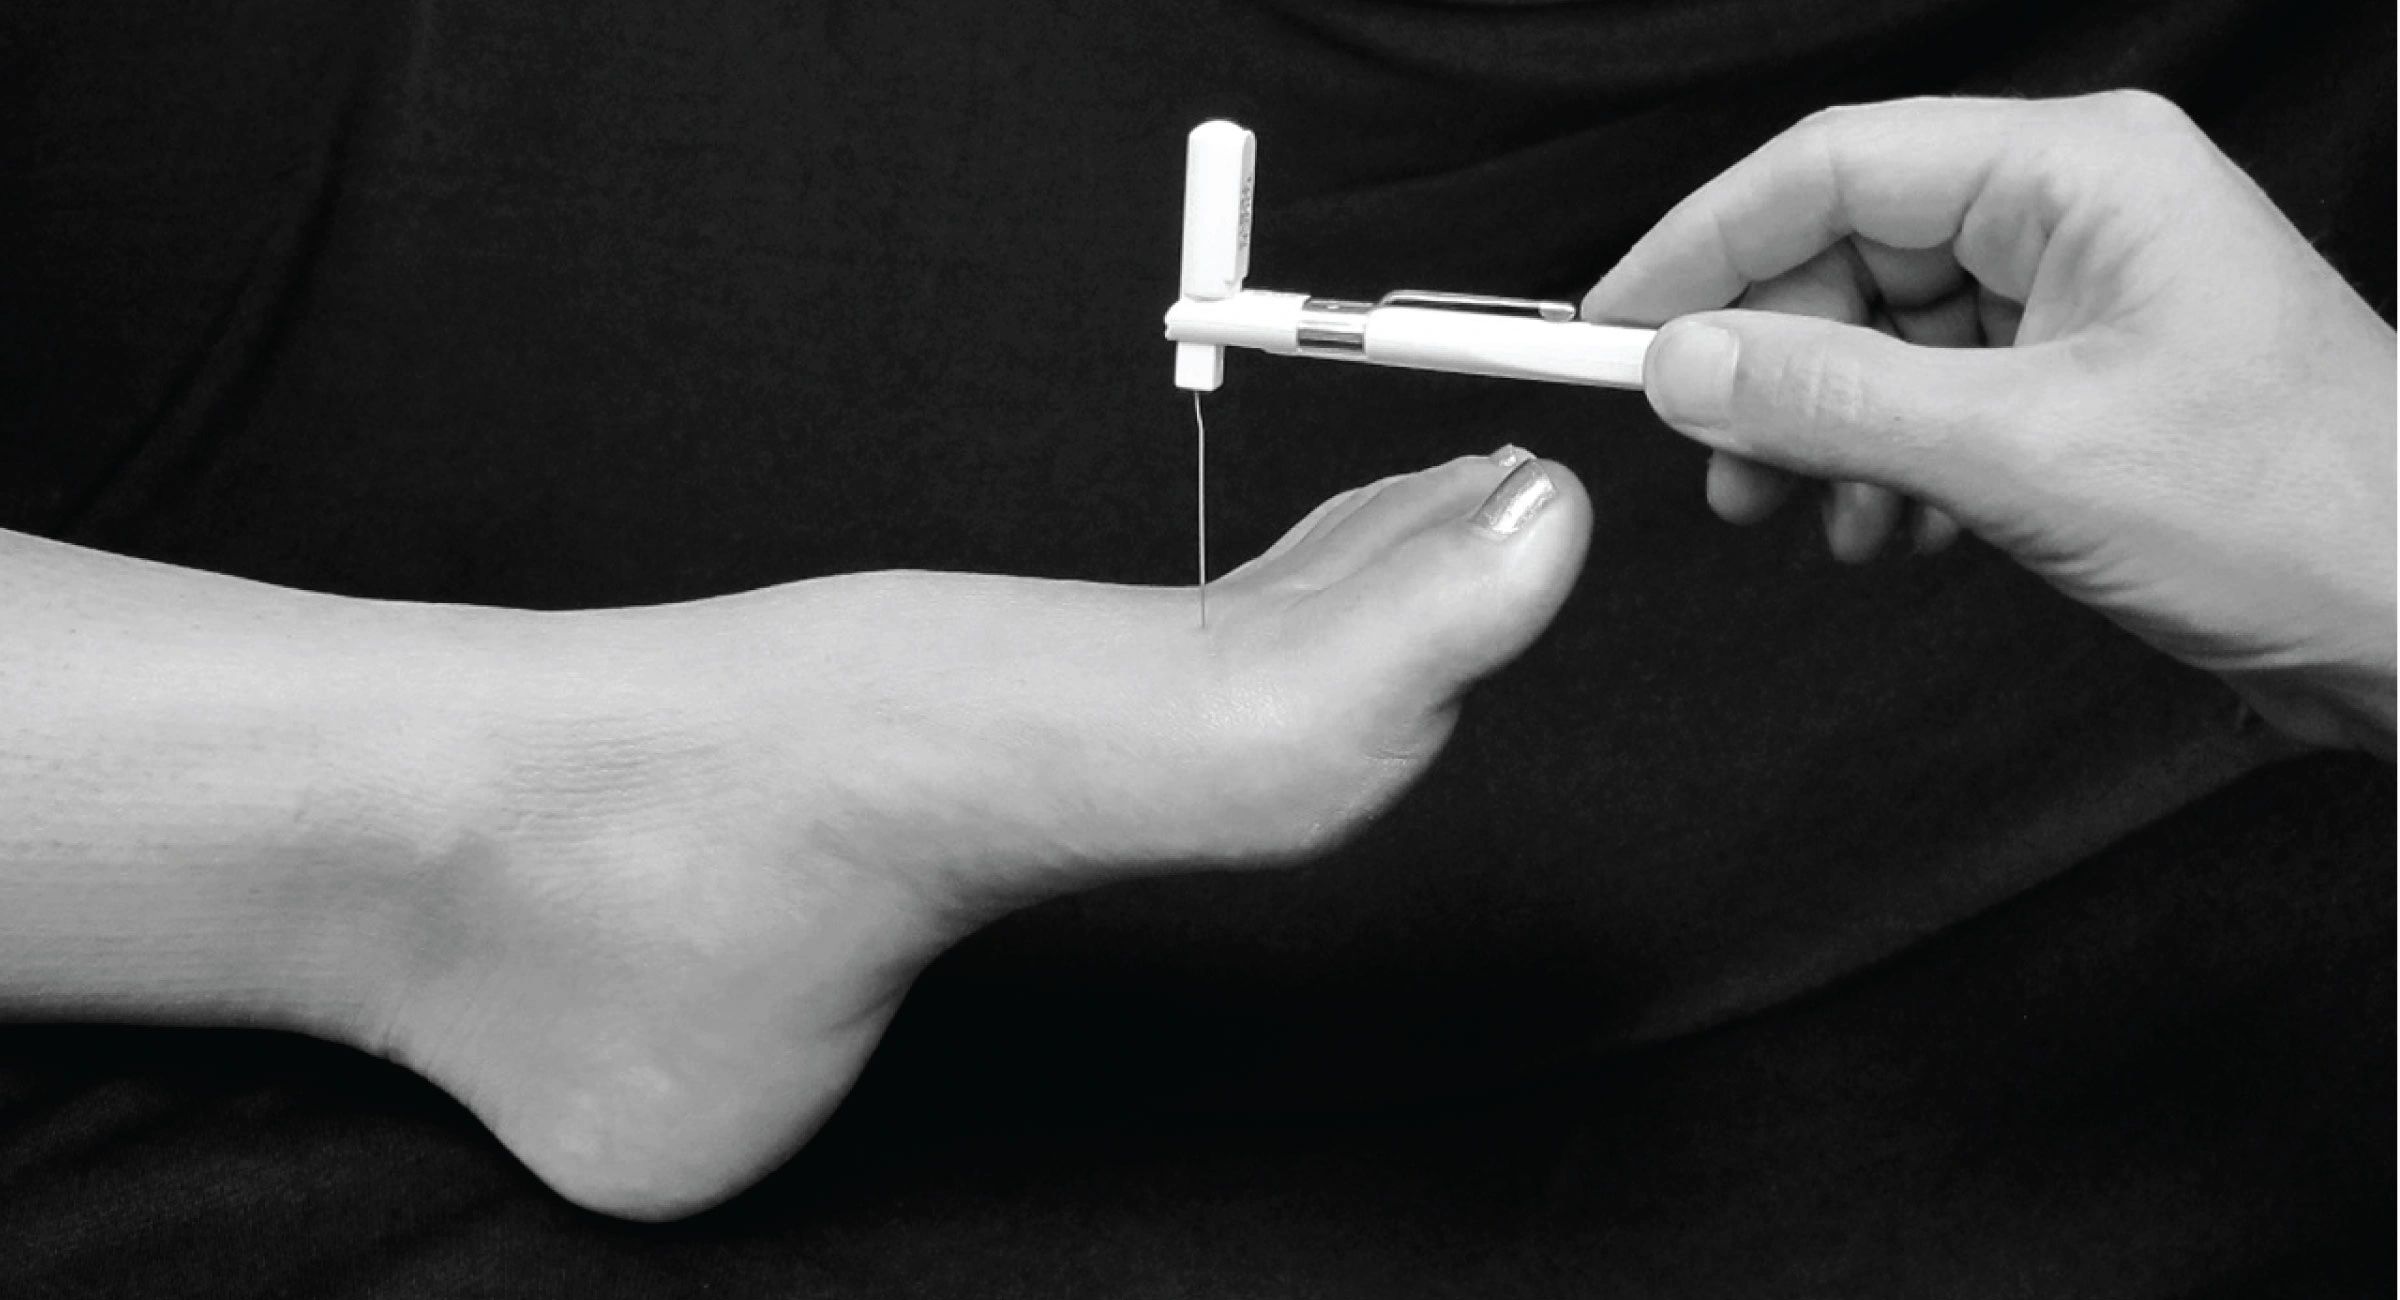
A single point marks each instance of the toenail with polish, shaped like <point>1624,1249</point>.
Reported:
<point>1511,456</point>
<point>1514,503</point>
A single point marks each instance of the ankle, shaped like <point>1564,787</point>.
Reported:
<point>387,805</point>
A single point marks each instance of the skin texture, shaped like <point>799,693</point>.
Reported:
<point>642,888</point>
<point>2076,329</point>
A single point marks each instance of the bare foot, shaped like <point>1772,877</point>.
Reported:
<point>721,839</point>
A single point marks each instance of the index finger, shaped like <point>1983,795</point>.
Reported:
<point>1911,174</point>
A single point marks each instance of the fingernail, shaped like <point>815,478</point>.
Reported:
<point>1690,376</point>
<point>1854,501</point>
<point>1514,503</point>
<point>1511,456</point>
<point>1935,530</point>
<point>1846,520</point>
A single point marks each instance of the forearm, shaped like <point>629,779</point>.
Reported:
<point>213,793</point>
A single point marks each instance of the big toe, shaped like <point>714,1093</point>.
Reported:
<point>1460,596</point>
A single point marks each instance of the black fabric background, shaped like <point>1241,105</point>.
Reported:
<point>1773,927</point>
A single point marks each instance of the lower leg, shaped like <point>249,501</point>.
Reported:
<point>642,887</point>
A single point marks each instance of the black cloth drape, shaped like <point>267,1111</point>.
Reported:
<point>1882,931</point>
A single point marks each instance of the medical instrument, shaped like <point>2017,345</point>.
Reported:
<point>1416,329</point>
<point>1471,334</point>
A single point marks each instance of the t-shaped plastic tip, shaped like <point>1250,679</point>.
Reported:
<point>1199,367</point>
<point>1219,163</point>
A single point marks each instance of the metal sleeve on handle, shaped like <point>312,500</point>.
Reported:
<point>1331,327</point>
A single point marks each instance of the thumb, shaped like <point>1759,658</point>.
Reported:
<point>1840,401</point>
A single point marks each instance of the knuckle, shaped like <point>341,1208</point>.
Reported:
<point>2146,115</point>
<point>1817,133</point>
<point>1826,130</point>
<point>1819,390</point>
<point>2146,107</point>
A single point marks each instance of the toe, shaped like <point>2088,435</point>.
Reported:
<point>1470,590</point>
<point>1329,510</point>
<point>1389,514</point>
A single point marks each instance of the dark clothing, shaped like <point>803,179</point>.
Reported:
<point>1773,927</point>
